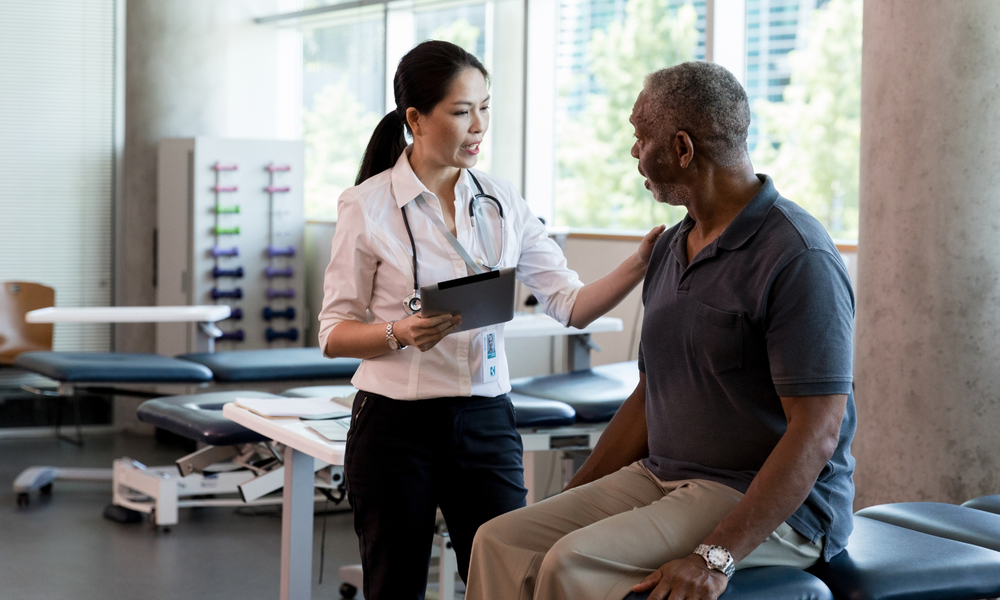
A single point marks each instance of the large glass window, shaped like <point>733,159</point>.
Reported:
<point>349,58</point>
<point>604,50</point>
<point>343,98</point>
<point>807,106</point>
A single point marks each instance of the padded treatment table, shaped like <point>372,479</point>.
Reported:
<point>986,503</point>
<point>529,412</point>
<point>595,394</point>
<point>768,583</point>
<point>276,364</point>
<point>886,562</point>
<point>199,417</point>
<point>949,521</point>
<point>112,367</point>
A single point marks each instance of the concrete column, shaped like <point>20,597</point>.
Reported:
<point>928,320</point>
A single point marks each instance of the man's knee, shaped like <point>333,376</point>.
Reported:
<point>566,556</point>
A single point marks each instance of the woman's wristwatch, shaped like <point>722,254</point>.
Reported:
<point>390,339</point>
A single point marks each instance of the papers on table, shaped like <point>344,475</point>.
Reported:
<point>335,430</point>
<point>294,408</point>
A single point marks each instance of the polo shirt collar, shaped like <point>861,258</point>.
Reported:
<point>406,187</point>
<point>749,220</point>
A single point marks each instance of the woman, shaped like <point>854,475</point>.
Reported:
<point>432,424</point>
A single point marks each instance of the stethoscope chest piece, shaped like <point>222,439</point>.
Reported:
<point>412,304</point>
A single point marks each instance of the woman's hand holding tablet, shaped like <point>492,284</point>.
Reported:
<point>425,332</point>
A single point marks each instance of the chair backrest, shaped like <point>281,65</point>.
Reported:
<point>17,298</point>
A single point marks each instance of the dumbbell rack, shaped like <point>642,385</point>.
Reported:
<point>230,231</point>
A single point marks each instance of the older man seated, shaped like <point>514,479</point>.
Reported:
<point>734,449</point>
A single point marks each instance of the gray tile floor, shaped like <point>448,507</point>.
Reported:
<point>61,547</point>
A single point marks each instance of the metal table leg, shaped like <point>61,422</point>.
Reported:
<point>297,526</point>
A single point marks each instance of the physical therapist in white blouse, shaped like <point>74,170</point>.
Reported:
<point>432,423</point>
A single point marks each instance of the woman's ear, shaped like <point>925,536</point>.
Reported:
<point>413,118</point>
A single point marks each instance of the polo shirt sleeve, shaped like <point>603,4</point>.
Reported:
<point>810,326</point>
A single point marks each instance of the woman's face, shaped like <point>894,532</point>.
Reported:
<point>450,135</point>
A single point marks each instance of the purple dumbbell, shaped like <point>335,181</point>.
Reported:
<point>272,272</point>
<point>291,335</point>
<point>273,293</point>
<point>217,272</point>
<point>217,251</point>
<point>233,293</point>
<point>225,188</point>
<point>221,167</point>
<point>277,189</point>
<point>270,313</point>
<point>235,314</point>
<point>276,251</point>
<point>274,168</point>
<point>231,336</point>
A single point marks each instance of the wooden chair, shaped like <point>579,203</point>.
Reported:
<point>17,298</point>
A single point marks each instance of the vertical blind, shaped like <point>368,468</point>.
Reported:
<point>57,92</point>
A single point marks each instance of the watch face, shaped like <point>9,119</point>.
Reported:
<point>718,556</point>
<point>393,344</point>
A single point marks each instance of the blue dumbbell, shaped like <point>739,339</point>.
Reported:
<point>290,335</point>
<point>270,313</point>
<point>233,293</point>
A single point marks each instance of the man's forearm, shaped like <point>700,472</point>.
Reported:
<point>623,442</point>
<point>783,483</point>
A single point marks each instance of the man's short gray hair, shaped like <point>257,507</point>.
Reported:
<point>706,101</point>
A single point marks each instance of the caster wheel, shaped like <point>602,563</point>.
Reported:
<point>23,499</point>
<point>46,489</point>
<point>347,591</point>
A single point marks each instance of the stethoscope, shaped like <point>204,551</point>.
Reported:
<point>412,302</point>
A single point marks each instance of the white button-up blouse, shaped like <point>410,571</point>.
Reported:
<point>371,273</point>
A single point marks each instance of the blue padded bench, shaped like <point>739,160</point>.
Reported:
<point>529,412</point>
<point>595,394</point>
<point>886,562</point>
<point>949,521</point>
<point>276,364</point>
<point>768,583</point>
<point>199,417</point>
<point>112,367</point>
<point>986,503</point>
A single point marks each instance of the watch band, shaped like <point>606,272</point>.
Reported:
<point>726,566</point>
<point>391,339</point>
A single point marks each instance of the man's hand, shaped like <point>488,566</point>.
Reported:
<point>425,332</point>
<point>687,578</point>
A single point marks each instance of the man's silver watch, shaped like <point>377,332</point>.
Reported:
<point>718,558</point>
<point>390,339</point>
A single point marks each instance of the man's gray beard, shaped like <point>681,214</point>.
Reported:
<point>671,193</point>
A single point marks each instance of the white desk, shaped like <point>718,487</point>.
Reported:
<point>301,447</point>
<point>539,325</point>
<point>205,316</point>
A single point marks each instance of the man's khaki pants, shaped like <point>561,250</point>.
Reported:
<point>598,540</point>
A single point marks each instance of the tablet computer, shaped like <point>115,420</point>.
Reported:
<point>482,300</point>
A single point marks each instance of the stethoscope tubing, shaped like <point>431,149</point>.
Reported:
<point>412,302</point>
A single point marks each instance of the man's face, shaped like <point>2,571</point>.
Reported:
<point>654,150</point>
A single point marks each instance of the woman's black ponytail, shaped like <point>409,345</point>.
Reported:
<point>383,150</point>
<point>422,80</point>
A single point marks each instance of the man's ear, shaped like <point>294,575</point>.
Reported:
<point>413,118</point>
<point>684,147</point>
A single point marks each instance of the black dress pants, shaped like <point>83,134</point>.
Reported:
<point>404,458</point>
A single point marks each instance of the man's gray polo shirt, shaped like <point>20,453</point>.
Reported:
<point>766,310</point>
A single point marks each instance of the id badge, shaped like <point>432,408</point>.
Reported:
<point>491,364</point>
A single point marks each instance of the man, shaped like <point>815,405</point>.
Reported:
<point>735,446</point>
